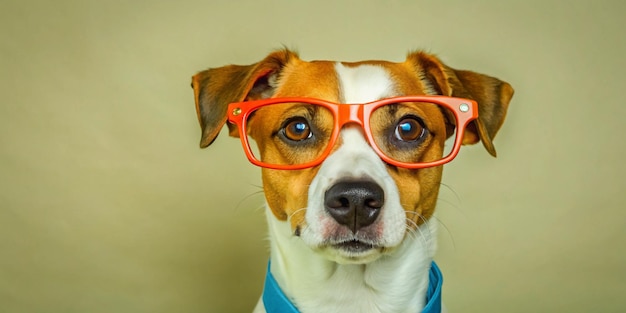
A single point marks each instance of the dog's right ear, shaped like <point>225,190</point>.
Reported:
<point>215,88</point>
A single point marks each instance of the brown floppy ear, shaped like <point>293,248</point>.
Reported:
<point>215,88</point>
<point>492,95</point>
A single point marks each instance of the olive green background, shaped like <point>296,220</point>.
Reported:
<point>108,205</point>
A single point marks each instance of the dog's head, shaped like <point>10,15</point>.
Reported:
<point>363,185</point>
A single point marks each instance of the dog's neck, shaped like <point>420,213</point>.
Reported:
<point>396,282</point>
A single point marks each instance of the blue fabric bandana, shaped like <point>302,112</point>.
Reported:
<point>275,300</point>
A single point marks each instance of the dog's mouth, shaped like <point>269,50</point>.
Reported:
<point>354,246</point>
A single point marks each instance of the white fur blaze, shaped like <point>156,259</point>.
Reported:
<point>355,159</point>
<point>364,83</point>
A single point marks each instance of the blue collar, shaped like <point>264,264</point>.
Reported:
<point>275,300</point>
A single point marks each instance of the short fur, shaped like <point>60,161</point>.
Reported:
<point>316,275</point>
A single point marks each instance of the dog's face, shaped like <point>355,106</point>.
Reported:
<point>352,207</point>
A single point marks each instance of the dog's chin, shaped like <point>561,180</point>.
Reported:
<point>352,252</point>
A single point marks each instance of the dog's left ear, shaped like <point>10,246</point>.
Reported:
<point>492,95</point>
<point>215,88</point>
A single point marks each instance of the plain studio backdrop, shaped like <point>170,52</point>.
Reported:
<point>108,205</point>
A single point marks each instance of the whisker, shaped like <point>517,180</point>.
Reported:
<point>456,195</point>
<point>260,208</point>
<point>294,213</point>
<point>426,239</point>
<point>458,205</point>
<point>421,217</point>
<point>412,222</point>
<point>447,231</point>
<point>411,232</point>
<point>412,212</point>
<point>242,200</point>
<point>458,208</point>
<point>430,233</point>
<point>453,204</point>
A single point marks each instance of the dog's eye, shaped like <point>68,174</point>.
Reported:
<point>410,128</point>
<point>297,129</point>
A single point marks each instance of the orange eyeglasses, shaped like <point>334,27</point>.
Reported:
<point>297,133</point>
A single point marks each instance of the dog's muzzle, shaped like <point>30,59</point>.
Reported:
<point>354,204</point>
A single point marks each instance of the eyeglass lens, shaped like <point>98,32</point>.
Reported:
<point>299,133</point>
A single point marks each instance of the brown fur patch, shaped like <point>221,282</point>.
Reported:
<point>287,191</point>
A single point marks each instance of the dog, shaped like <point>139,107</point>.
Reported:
<point>351,157</point>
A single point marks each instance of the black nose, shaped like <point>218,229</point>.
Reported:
<point>355,204</point>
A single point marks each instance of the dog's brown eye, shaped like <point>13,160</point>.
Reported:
<point>297,129</point>
<point>409,129</point>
